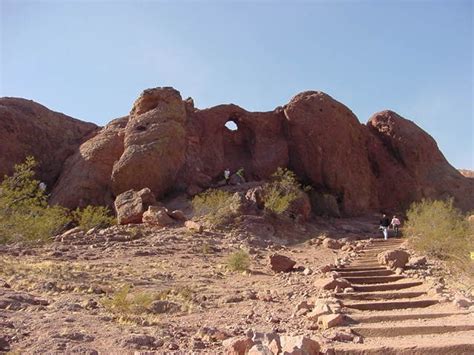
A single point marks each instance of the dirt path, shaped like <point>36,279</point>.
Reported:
<point>397,315</point>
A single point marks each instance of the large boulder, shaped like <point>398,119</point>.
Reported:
<point>28,128</point>
<point>299,345</point>
<point>396,258</point>
<point>130,205</point>
<point>157,216</point>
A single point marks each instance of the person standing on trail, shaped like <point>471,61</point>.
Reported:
<point>395,225</point>
<point>384,224</point>
<point>227,176</point>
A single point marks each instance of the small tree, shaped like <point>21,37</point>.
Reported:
<point>24,212</point>
<point>440,230</point>
<point>281,191</point>
<point>214,205</point>
<point>93,216</point>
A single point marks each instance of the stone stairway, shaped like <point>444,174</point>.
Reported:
<point>394,314</point>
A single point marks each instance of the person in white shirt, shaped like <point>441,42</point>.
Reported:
<point>395,225</point>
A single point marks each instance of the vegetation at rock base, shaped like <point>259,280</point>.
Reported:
<point>93,217</point>
<point>25,215</point>
<point>281,191</point>
<point>214,205</point>
<point>238,261</point>
<point>438,229</point>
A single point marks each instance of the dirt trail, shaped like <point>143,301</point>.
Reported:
<point>396,315</point>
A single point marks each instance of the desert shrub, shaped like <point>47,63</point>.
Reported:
<point>25,215</point>
<point>238,261</point>
<point>281,191</point>
<point>93,216</point>
<point>440,230</point>
<point>123,302</point>
<point>214,205</point>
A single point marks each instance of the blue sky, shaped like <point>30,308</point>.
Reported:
<point>91,59</point>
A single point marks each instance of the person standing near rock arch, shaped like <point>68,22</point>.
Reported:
<point>395,224</point>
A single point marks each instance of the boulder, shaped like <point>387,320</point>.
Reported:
<point>157,216</point>
<point>396,258</point>
<point>330,320</point>
<point>331,243</point>
<point>260,349</point>
<point>281,263</point>
<point>178,215</point>
<point>299,345</point>
<point>193,226</point>
<point>130,205</point>
<point>237,345</point>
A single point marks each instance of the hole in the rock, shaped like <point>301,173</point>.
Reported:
<point>231,126</point>
<point>140,128</point>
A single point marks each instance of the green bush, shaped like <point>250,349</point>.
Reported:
<point>125,303</point>
<point>24,212</point>
<point>440,230</point>
<point>214,206</point>
<point>93,216</point>
<point>238,261</point>
<point>281,191</point>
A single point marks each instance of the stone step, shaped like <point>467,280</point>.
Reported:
<point>379,295</point>
<point>383,272</point>
<point>403,330</point>
<point>391,305</point>
<point>366,264</point>
<point>343,269</point>
<point>386,287</point>
<point>394,317</point>
<point>374,279</point>
<point>437,344</point>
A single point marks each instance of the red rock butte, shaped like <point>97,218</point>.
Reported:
<point>169,146</point>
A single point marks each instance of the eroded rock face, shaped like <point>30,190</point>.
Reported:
<point>168,145</point>
<point>154,143</point>
<point>130,205</point>
<point>328,147</point>
<point>409,166</point>
<point>28,128</point>
<point>86,175</point>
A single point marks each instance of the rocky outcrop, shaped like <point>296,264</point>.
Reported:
<point>328,148</point>
<point>86,175</point>
<point>28,128</point>
<point>168,145</point>
<point>467,173</point>
<point>409,165</point>
<point>154,143</point>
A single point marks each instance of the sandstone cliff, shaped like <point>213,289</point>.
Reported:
<point>28,128</point>
<point>168,145</point>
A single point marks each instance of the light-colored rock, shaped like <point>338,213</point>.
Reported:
<point>237,345</point>
<point>330,320</point>
<point>418,260</point>
<point>327,284</point>
<point>396,258</point>
<point>331,243</point>
<point>130,205</point>
<point>193,226</point>
<point>157,216</point>
<point>298,345</point>
<point>260,349</point>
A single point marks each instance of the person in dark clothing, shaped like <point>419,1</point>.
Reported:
<point>384,224</point>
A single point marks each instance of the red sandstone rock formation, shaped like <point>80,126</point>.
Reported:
<point>28,128</point>
<point>409,165</point>
<point>167,144</point>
